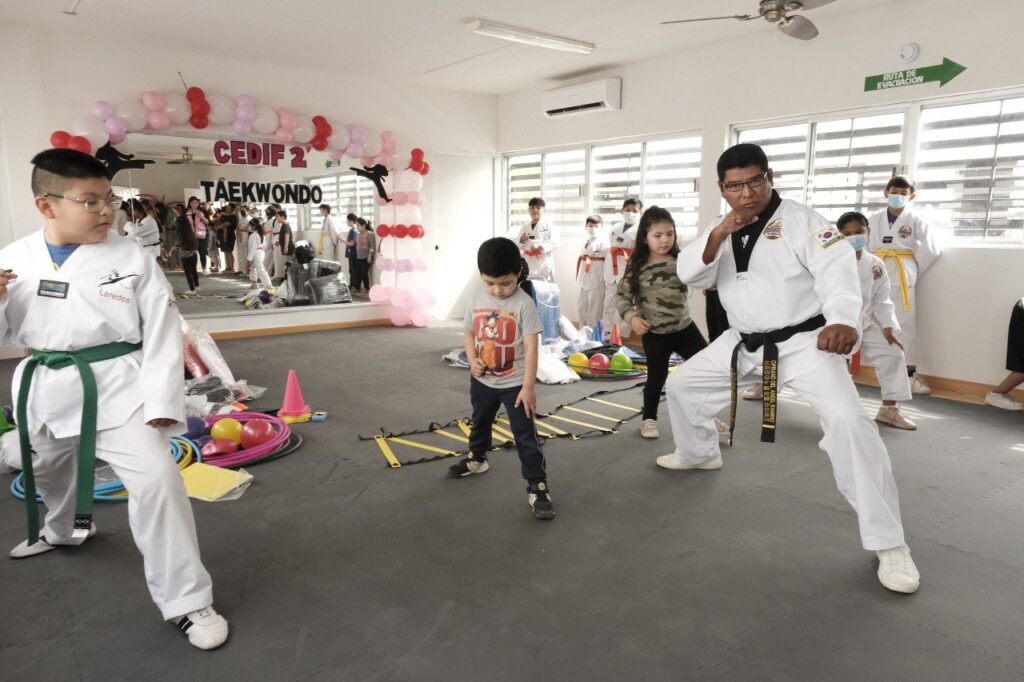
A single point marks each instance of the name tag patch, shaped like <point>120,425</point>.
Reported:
<point>887,240</point>
<point>51,288</point>
<point>828,237</point>
<point>773,230</point>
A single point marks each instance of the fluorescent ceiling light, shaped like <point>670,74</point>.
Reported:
<point>528,37</point>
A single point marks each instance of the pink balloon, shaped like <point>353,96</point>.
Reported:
<point>245,112</point>
<point>390,145</point>
<point>357,133</point>
<point>413,197</point>
<point>387,135</point>
<point>282,134</point>
<point>386,264</point>
<point>402,298</point>
<point>336,154</point>
<point>241,127</point>
<point>380,293</point>
<point>103,110</point>
<point>287,119</point>
<point>419,317</point>
<point>118,138</point>
<point>400,198</point>
<point>399,317</point>
<point>366,161</point>
<point>245,99</point>
<point>420,264</point>
<point>116,126</point>
<point>354,151</point>
<point>384,160</point>
<point>380,201</point>
<point>159,120</point>
<point>154,101</point>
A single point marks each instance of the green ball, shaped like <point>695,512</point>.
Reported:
<point>621,363</point>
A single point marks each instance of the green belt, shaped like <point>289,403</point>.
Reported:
<point>55,359</point>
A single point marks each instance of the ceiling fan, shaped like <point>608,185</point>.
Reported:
<point>777,12</point>
<point>186,157</point>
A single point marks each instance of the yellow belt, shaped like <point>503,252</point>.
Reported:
<point>899,255</point>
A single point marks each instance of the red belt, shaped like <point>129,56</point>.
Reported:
<point>588,259</point>
<point>534,253</point>
<point>615,252</point>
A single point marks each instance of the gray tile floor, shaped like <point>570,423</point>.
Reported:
<point>334,567</point>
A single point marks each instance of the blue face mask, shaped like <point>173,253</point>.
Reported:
<point>857,241</point>
<point>898,201</point>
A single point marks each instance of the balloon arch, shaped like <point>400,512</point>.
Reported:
<point>397,176</point>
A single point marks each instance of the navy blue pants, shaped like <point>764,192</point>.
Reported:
<point>486,401</point>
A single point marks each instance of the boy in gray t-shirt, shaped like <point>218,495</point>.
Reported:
<point>502,336</point>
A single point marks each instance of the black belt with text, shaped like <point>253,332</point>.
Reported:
<point>770,373</point>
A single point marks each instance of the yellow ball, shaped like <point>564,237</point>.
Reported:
<point>230,429</point>
<point>578,362</point>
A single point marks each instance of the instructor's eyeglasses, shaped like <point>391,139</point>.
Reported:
<point>752,183</point>
<point>91,205</point>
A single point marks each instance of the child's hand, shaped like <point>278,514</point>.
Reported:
<point>6,276</point>
<point>162,423</point>
<point>890,336</point>
<point>528,399</point>
<point>639,325</point>
<point>477,367</point>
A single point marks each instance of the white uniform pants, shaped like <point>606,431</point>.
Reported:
<point>591,306</point>
<point>268,259</point>
<point>258,271</point>
<point>889,363</point>
<point>240,246</point>
<point>699,390</point>
<point>278,263</point>
<point>159,511</point>
<point>611,311</point>
<point>907,320</point>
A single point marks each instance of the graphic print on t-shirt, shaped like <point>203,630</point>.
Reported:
<point>495,332</point>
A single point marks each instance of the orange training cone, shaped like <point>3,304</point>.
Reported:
<point>616,336</point>
<point>294,404</point>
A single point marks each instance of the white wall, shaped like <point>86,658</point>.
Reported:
<point>46,81</point>
<point>965,300</point>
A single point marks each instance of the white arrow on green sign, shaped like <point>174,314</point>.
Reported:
<point>943,73</point>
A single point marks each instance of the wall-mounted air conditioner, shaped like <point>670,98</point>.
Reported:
<point>599,95</point>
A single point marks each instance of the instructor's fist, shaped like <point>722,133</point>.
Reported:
<point>837,338</point>
<point>6,276</point>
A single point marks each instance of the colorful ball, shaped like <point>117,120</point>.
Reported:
<point>257,432</point>
<point>599,363</point>
<point>229,429</point>
<point>196,427</point>
<point>578,362</point>
<point>621,363</point>
<point>219,446</point>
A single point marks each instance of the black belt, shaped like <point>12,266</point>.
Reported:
<point>770,372</point>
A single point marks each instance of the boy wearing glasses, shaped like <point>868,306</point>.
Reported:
<point>788,281</point>
<point>104,381</point>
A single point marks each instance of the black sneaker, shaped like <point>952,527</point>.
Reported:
<point>467,466</point>
<point>540,501</point>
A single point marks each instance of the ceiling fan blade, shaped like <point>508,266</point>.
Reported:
<point>798,27</point>
<point>741,17</point>
<point>812,4</point>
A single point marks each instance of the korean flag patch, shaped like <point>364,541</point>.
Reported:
<point>828,237</point>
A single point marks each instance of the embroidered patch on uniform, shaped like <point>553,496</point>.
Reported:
<point>876,272</point>
<point>773,230</point>
<point>905,231</point>
<point>116,277</point>
<point>51,288</point>
<point>828,237</point>
<point>887,240</point>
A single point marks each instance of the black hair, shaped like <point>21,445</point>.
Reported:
<point>186,235</point>
<point>363,222</point>
<point>537,202</point>
<point>852,215</point>
<point>595,219</point>
<point>633,201</point>
<point>327,206</point>
<point>188,204</point>
<point>642,252</point>
<point>498,257</point>
<point>741,156</point>
<point>137,207</point>
<point>900,182</point>
<point>352,216</point>
<point>53,170</point>
<point>256,226</point>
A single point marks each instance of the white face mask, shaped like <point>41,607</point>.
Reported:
<point>591,232</point>
<point>630,217</point>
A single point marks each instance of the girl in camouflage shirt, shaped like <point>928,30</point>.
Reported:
<point>652,300</point>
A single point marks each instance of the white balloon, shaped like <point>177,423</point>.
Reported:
<point>339,139</point>
<point>372,147</point>
<point>134,114</point>
<point>387,215</point>
<point>92,129</point>
<point>407,214</point>
<point>265,121</point>
<point>409,181</point>
<point>304,130</point>
<point>222,109</point>
<point>177,107</point>
<point>389,184</point>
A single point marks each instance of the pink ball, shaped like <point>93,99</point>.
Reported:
<point>245,112</point>
<point>159,120</point>
<point>380,201</point>
<point>336,154</point>
<point>420,264</point>
<point>413,197</point>
<point>245,99</point>
<point>386,264</point>
<point>419,317</point>
<point>103,109</point>
<point>154,101</point>
<point>283,135</point>
<point>287,119</point>
<point>399,317</point>
<point>401,198</point>
<point>241,128</point>
<point>116,126</point>
<point>380,293</point>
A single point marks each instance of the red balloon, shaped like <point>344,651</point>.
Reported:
<point>318,121</point>
<point>417,165</point>
<point>416,231</point>
<point>383,231</point>
<point>59,139</point>
<point>198,121</point>
<point>194,93</point>
<point>417,153</point>
<point>257,432</point>
<point>425,169</point>
<point>80,144</point>
<point>319,144</point>
<point>201,107</point>
<point>400,231</point>
<point>219,446</point>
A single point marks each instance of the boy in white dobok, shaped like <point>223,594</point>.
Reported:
<point>788,282</point>
<point>104,381</point>
<point>590,273</point>
<point>538,240</point>
<point>878,343</point>
<point>908,244</point>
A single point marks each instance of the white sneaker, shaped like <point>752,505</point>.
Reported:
<point>25,550</point>
<point>723,428</point>
<point>649,428</point>
<point>755,392</point>
<point>891,415</point>
<point>919,386</point>
<point>896,570</point>
<point>197,291</point>
<point>206,629</point>
<point>674,461</point>
<point>1002,401</point>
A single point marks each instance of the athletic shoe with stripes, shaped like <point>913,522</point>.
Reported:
<point>467,466</point>
<point>540,500</point>
<point>206,629</point>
